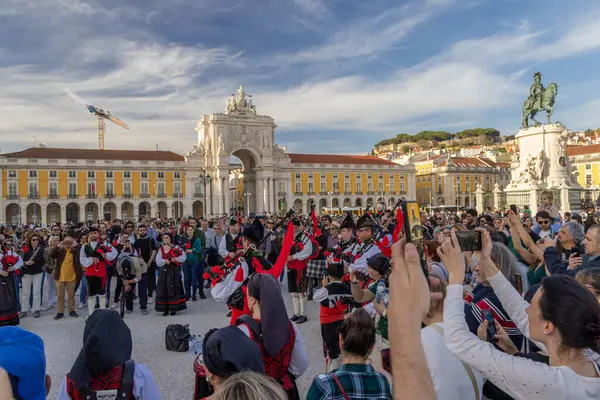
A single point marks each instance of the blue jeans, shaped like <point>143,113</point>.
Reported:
<point>190,278</point>
<point>108,277</point>
<point>82,290</point>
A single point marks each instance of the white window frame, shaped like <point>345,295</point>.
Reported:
<point>107,186</point>
<point>176,175</point>
<point>109,175</point>
<point>69,186</point>
<point>161,175</point>
<point>144,174</point>
<point>12,173</point>
<point>126,186</point>
<point>144,188</point>
<point>323,186</point>
<point>53,185</point>
<point>298,187</point>
<point>72,174</point>
<point>14,185</point>
<point>33,174</point>
<point>91,174</point>
<point>126,174</point>
<point>53,174</point>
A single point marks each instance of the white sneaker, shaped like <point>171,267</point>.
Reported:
<point>115,306</point>
<point>80,306</point>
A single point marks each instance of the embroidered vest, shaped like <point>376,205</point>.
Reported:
<point>109,381</point>
<point>277,366</point>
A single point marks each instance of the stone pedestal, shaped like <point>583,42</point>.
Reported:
<point>542,164</point>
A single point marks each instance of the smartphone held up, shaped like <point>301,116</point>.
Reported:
<point>413,230</point>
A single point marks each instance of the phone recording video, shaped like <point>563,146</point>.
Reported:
<point>491,328</point>
<point>469,240</point>
<point>414,230</point>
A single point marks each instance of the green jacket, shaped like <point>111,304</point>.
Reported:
<point>197,253</point>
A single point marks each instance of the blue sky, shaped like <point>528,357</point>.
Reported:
<point>336,75</point>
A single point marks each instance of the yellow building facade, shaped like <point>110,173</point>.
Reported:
<point>44,185</point>
<point>445,181</point>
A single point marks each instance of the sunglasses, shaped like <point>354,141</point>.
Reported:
<point>35,240</point>
<point>543,222</point>
<point>439,219</point>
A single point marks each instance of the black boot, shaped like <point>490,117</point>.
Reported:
<point>201,293</point>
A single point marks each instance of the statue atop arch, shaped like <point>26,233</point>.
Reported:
<point>238,102</point>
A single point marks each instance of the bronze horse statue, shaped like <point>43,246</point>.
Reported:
<point>531,107</point>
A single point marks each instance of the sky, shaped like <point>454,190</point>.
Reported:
<point>336,75</point>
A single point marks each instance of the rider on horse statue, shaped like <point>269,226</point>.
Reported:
<point>540,99</point>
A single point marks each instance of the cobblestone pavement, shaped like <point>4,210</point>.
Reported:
<point>172,371</point>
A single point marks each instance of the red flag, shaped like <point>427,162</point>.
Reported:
<point>288,240</point>
<point>399,225</point>
<point>316,230</point>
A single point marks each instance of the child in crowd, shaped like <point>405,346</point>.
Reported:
<point>546,204</point>
<point>334,296</point>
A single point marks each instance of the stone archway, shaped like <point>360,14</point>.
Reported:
<point>241,132</point>
<point>198,209</point>
<point>144,209</point>
<point>467,202</point>
<point>91,211</point>
<point>335,203</point>
<point>298,205</point>
<point>162,209</point>
<point>309,204</point>
<point>13,214</point>
<point>109,211</point>
<point>370,201</point>
<point>440,201</point>
<point>322,205</point>
<point>73,212</point>
<point>34,214</point>
<point>53,214</point>
<point>127,211</point>
<point>347,203</point>
<point>358,202</point>
<point>177,209</point>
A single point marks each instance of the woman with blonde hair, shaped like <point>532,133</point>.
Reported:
<point>250,386</point>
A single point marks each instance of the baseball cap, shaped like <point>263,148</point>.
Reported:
<point>22,356</point>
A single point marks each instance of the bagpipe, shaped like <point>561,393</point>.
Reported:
<point>99,252</point>
<point>218,273</point>
<point>311,232</point>
<point>381,229</point>
<point>8,261</point>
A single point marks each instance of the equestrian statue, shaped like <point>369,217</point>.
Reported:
<point>540,99</point>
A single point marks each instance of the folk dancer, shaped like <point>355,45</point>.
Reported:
<point>232,241</point>
<point>170,294</point>
<point>297,262</point>
<point>10,264</point>
<point>334,297</point>
<point>279,339</point>
<point>94,258</point>
<point>232,288</point>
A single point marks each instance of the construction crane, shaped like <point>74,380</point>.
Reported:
<point>102,115</point>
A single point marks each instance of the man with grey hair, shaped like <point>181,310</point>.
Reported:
<point>578,258</point>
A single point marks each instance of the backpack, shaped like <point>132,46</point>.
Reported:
<point>124,391</point>
<point>252,324</point>
<point>177,338</point>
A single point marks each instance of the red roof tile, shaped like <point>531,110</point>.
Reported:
<point>337,159</point>
<point>95,154</point>
<point>581,150</point>
<point>470,162</point>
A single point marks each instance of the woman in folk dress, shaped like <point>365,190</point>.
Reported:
<point>170,294</point>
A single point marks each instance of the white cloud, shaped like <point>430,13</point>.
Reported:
<point>317,8</point>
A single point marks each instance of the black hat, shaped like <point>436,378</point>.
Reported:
<point>335,270</point>
<point>233,221</point>
<point>254,232</point>
<point>365,221</point>
<point>297,221</point>
<point>348,222</point>
<point>379,263</point>
<point>93,229</point>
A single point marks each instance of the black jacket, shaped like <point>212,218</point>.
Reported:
<point>38,261</point>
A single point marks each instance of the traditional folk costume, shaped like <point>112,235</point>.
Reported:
<point>96,272</point>
<point>170,294</point>
<point>284,354</point>
<point>334,300</point>
<point>230,243</point>
<point>302,249</point>
<point>225,352</point>
<point>104,369</point>
<point>9,301</point>
<point>229,282</point>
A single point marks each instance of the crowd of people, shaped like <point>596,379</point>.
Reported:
<point>517,316</point>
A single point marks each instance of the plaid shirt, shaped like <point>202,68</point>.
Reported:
<point>360,381</point>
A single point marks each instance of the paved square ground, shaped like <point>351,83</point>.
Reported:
<point>172,371</point>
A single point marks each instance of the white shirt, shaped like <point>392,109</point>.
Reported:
<point>299,360</point>
<point>161,262</point>
<point>223,245</point>
<point>519,377</point>
<point>144,387</point>
<point>86,261</point>
<point>360,265</point>
<point>450,378</point>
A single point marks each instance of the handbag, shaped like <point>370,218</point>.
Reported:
<point>177,338</point>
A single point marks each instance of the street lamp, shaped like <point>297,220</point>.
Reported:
<point>204,178</point>
<point>330,194</point>
<point>247,194</point>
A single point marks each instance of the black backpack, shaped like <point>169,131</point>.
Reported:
<point>122,392</point>
<point>177,338</point>
<point>252,324</point>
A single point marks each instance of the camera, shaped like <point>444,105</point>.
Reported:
<point>469,240</point>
